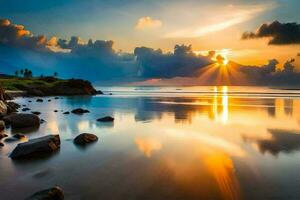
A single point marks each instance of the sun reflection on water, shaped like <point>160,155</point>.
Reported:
<point>223,96</point>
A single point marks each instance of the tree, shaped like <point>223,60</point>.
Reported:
<point>17,73</point>
<point>22,71</point>
<point>55,74</point>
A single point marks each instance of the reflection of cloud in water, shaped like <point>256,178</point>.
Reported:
<point>211,141</point>
<point>285,141</point>
<point>148,145</point>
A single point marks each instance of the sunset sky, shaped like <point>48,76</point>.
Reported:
<point>233,28</point>
<point>207,25</point>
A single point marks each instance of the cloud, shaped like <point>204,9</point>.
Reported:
<point>232,16</point>
<point>147,23</point>
<point>279,33</point>
<point>98,61</point>
<point>17,35</point>
<point>182,62</point>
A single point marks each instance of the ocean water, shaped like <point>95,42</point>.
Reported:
<point>166,143</point>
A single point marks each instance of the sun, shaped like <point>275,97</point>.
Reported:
<point>221,57</point>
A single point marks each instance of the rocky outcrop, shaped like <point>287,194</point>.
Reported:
<point>79,111</point>
<point>22,120</point>
<point>55,193</point>
<point>85,138</point>
<point>106,119</point>
<point>36,147</point>
<point>61,87</point>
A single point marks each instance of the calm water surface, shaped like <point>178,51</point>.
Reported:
<point>166,143</point>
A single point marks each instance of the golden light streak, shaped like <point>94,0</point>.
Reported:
<point>222,169</point>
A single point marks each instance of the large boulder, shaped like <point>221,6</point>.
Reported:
<point>55,193</point>
<point>85,138</point>
<point>36,147</point>
<point>79,111</point>
<point>22,120</point>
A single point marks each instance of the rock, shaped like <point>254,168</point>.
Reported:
<point>79,111</point>
<point>39,100</point>
<point>3,135</point>
<point>56,97</point>
<point>12,107</point>
<point>55,193</point>
<point>29,101</point>
<point>36,112</point>
<point>66,113</point>
<point>3,108</point>
<point>49,100</point>
<point>99,92</point>
<point>85,138</point>
<point>24,105</point>
<point>106,119</point>
<point>2,125</point>
<point>19,136</point>
<point>35,147</point>
<point>22,120</point>
<point>42,121</point>
<point>25,109</point>
<point>1,144</point>
<point>55,111</point>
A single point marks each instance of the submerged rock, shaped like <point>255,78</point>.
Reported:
<point>36,113</point>
<point>85,138</point>
<point>36,147</point>
<point>55,193</point>
<point>22,120</point>
<point>106,119</point>
<point>25,109</point>
<point>79,111</point>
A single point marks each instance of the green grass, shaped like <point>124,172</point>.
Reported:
<point>19,83</point>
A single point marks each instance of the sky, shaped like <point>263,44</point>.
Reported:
<point>206,25</point>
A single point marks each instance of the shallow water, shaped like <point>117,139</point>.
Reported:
<point>166,143</point>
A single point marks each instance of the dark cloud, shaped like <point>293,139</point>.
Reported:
<point>280,33</point>
<point>182,62</point>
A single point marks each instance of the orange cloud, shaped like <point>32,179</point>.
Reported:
<point>147,23</point>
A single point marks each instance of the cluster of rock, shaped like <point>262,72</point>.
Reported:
<point>41,146</point>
